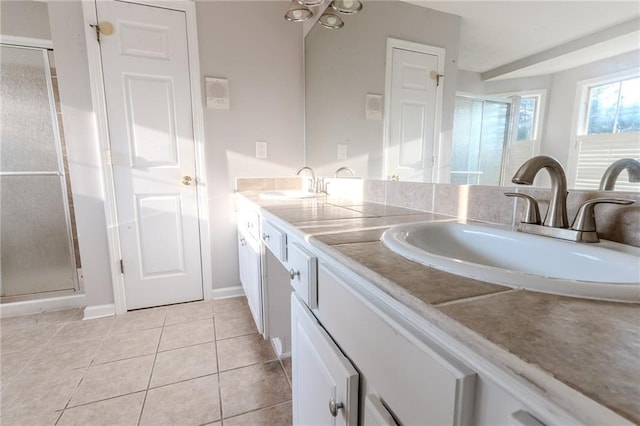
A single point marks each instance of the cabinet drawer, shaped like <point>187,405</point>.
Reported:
<point>249,223</point>
<point>303,274</point>
<point>415,378</point>
<point>275,240</point>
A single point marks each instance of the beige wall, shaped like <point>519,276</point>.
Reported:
<point>67,33</point>
<point>22,18</point>
<point>260,53</point>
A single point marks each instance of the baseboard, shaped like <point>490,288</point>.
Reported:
<point>99,311</point>
<point>227,292</point>
<point>41,305</point>
<point>278,346</point>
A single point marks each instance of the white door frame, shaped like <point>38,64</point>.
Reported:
<point>394,43</point>
<point>100,110</point>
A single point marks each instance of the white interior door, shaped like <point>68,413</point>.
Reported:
<point>412,115</point>
<point>146,77</point>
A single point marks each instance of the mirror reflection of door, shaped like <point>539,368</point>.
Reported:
<point>480,130</point>
<point>414,99</point>
<point>37,226</point>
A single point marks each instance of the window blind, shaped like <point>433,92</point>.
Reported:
<point>597,152</point>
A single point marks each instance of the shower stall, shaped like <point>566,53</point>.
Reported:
<point>38,254</point>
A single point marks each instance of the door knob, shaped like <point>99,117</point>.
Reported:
<point>334,407</point>
<point>186,180</point>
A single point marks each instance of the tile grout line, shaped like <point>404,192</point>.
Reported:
<point>474,298</point>
<point>86,369</point>
<point>259,409</point>
<point>153,365</point>
<point>60,326</point>
<point>215,340</point>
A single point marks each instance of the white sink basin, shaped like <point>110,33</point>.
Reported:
<point>289,195</point>
<point>604,270</point>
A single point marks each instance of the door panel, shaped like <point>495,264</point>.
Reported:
<point>151,120</point>
<point>146,78</point>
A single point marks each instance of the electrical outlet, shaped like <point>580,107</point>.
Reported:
<point>261,149</point>
<point>342,151</point>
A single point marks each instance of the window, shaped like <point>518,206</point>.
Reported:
<point>608,129</point>
<point>614,107</point>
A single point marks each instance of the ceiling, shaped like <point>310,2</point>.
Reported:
<point>507,39</point>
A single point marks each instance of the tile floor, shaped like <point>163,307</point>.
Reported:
<point>190,364</point>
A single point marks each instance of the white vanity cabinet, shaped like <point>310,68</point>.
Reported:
<point>361,357</point>
<point>415,379</point>
<point>249,262</point>
<point>325,384</point>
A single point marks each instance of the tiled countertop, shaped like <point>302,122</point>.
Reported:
<point>591,346</point>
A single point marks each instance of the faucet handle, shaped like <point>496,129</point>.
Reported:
<point>585,220</point>
<point>531,212</point>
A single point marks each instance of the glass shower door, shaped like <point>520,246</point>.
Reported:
<point>36,244</point>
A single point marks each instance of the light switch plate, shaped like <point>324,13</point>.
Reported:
<point>261,149</point>
<point>373,106</point>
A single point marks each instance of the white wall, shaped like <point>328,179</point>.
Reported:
<point>24,19</point>
<point>260,53</point>
<point>67,33</point>
<point>343,65</point>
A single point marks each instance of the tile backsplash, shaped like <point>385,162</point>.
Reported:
<point>475,202</point>
<point>268,184</point>
<point>489,204</point>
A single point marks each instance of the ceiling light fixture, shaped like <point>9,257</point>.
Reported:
<point>331,21</point>
<point>347,7</point>
<point>298,12</point>
<point>311,2</point>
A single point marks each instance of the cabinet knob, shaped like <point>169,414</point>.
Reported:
<point>293,274</point>
<point>265,237</point>
<point>186,180</point>
<point>334,407</point>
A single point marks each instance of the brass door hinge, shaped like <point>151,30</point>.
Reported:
<point>100,28</point>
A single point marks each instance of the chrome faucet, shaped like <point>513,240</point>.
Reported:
<point>555,223</point>
<point>556,216</point>
<point>343,169</point>
<point>610,176</point>
<point>312,184</point>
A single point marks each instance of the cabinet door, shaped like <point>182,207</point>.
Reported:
<point>325,384</point>
<point>250,276</point>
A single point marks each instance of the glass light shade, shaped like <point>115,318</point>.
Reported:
<point>310,2</point>
<point>347,7</point>
<point>331,21</point>
<point>298,12</point>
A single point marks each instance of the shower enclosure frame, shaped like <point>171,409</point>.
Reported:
<point>46,46</point>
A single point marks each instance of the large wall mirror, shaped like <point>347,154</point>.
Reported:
<point>517,79</point>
